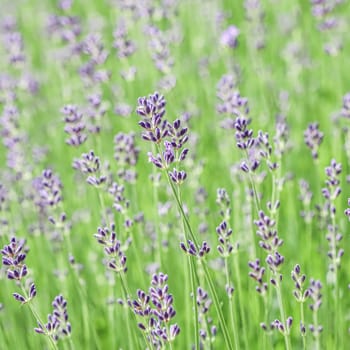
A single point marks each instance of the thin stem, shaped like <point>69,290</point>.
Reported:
<point>132,339</point>
<point>156,200</point>
<point>283,316</point>
<point>37,317</point>
<point>231,307</point>
<point>222,322</point>
<point>303,335</point>
<point>240,301</point>
<point>193,284</point>
<point>315,322</point>
<point>206,270</point>
<point>336,322</point>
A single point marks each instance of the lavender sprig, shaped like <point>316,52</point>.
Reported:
<point>90,164</point>
<point>301,295</point>
<point>316,329</point>
<point>58,325</point>
<point>150,109</point>
<point>271,242</point>
<point>156,310</point>
<point>313,138</point>
<point>13,257</point>
<point>347,210</point>
<point>116,259</point>
<point>207,335</point>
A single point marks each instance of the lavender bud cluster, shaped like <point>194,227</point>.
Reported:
<point>204,303</point>
<point>332,189</point>
<point>75,126</point>
<point>270,242</point>
<point>323,11</point>
<point>90,164</point>
<point>255,16</point>
<point>57,325</point>
<point>160,50</point>
<point>13,258</point>
<point>158,130</point>
<point>123,45</point>
<point>257,274</point>
<point>229,37</point>
<point>313,138</point>
<point>191,249</point>
<point>225,247</point>
<point>116,259</point>
<point>305,197</point>
<point>347,210</point>
<point>315,288</point>
<point>48,188</point>
<point>156,310</point>
<point>90,71</point>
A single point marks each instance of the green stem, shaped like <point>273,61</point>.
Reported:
<point>302,320</point>
<point>216,301</point>
<point>132,339</point>
<point>283,316</point>
<point>206,270</point>
<point>192,269</point>
<point>38,319</point>
<point>231,307</point>
<point>240,302</point>
<point>315,322</point>
<point>127,296</point>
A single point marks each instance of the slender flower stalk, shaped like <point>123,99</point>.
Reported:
<point>13,257</point>
<point>156,130</point>
<point>270,242</point>
<point>301,297</point>
<point>155,310</point>
<point>316,297</point>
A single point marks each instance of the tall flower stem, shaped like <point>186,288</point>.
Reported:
<point>208,278</point>
<point>302,320</point>
<point>240,301</point>
<point>133,341</point>
<point>283,315</point>
<point>193,283</point>
<point>231,306</point>
<point>37,317</point>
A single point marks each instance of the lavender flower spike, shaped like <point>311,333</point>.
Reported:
<point>13,256</point>
<point>229,37</point>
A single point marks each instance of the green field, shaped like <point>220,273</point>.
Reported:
<point>177,171</point>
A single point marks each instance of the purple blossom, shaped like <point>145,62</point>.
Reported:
<point>257,274</point>
<point>116,258</point>
<point>267,233</point>
<point>13,256</point>
<point>347,210</point>
<point>75,126</point>
<point>177,176</point>
<point>313,138</point>
<point>90,164</point>
<point>57,326</point>
<point>156,309</point>
<point>332,189</point>
<point>299,292</point>
<point>123,45</point>
<point>126,155</point>
<point>345,112</point>
<point>225,247</point>
<point>192,249</point>
<point>203,305</point>
<point>48,189</point>
<point>159,48</point>
<point>229,37</point>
